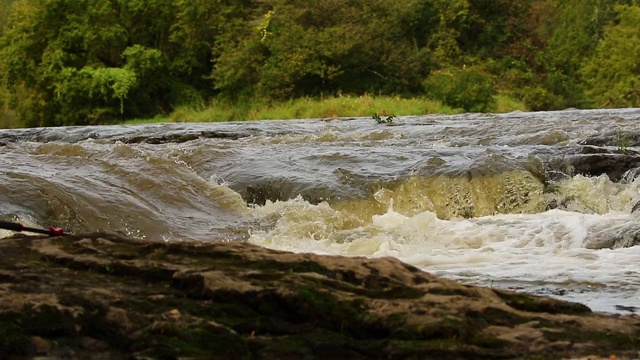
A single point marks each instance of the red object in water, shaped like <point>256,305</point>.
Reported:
<point>56,231</point>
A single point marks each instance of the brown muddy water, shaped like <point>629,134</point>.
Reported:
<point>537,202</point>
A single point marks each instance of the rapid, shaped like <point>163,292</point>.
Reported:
<point>540,202</point>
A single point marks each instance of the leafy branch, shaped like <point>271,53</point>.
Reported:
<point>380,120</point>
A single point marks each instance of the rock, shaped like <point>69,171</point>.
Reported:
<point>40,345</point>
<point>615,165</point>
<point>619,236</point>
<point>183,137</point>
<point>104,296</point>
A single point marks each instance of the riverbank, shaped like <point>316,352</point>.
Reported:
<point>109,297</point>
<point>329,107</point>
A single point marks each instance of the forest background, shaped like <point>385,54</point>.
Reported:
<point>77,62</point>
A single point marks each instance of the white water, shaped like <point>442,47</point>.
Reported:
<point>543,253</point>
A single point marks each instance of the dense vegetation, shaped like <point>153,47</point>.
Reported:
<point>65,62</point>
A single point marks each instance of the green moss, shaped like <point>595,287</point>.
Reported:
<point>324,303</point>
<point>441,328</point>
<point>494,316</point>
<point>445,328</point>
<point>450,348</point>
<point>48,320</point>
<point>317,343</point>
<point>13,337</point>
<point>296,267</point>
<point>181,341</point>
<point>150,273</point>
<point>530,303</point>
<point>432,349</point>
<point>454,291</point>
<point>289,344</point>
<point>604,340</point>
<point>489,342</point>
<point>397,292</point>
<point>325,310</point>
<point>235,315</point>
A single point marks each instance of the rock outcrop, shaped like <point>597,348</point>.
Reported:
<point>595,161</point>
<point>105,297</point>
<point>620,236</point>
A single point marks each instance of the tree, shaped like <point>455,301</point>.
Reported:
<point>295,48</point>
<point>574,40</point>
<point>6,116</point>
<point>469,88</point>
<point>5,9</point>
<point>613,73</point>
<point>94,61</point>
<point>521,71</point>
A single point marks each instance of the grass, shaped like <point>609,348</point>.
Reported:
<point>507,104</point>
<point>8,118</point>
<point>330,107</point>
<point>302,108</point>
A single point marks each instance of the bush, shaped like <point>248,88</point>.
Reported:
<point>538,98</point>
<point>469,88</point>
<point>91,95</point>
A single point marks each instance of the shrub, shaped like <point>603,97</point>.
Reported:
<point>469,88</point>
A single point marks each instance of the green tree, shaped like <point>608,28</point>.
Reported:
<point>612,75</point>
<point>294,48</point>
<point>5,9</point>
<point>198,23</point>
<point>50,44</point>
<point>574,40</point>
<point>451,18</point>
<point>7,119</point>
<point>68,62</point>
<point>94,61</point>
<point>469,88</point>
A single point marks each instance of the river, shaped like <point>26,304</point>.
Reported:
<point>538,202</point>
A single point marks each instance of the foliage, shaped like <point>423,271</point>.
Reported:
<point>91,61</point>
<point>307,107</point>
<point>380,120</point>
<point>299,48</point>
<point>66,62</point>
<point>469,88</point>
<point>90,95</point>
<point>5,8</point>
<point>573,41</point>
<point>613,74</point>
<point>327,107</point>
<point>520,82</point>
<point>623,142</point>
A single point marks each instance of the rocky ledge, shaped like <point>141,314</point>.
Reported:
<point>102,296</point>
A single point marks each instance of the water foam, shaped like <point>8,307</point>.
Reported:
<point>547,249</point>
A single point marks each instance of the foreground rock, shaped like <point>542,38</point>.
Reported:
<point>105,297</point>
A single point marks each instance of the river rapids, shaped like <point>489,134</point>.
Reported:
<point>537,202</point>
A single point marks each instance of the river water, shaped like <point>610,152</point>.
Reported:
<point>536,202</point>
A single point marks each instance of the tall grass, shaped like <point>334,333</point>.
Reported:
<point>8,119</point>
<point>347,106</point>
<point>330,107</point>
<point>507,104</point>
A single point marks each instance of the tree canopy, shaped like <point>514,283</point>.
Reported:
<point>67,62</point>
<point>613,72</point>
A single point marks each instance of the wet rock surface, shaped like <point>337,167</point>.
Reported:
<point>620,164</point>
<point>614,165</point>
<point>101,296</point>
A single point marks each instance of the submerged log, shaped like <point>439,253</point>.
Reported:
<point>108,297</point>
